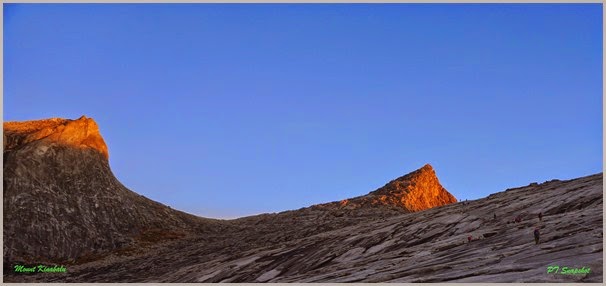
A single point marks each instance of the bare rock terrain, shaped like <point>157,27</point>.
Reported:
<point>63,204</point>
<point>410,230</point>
<point>416,191</point>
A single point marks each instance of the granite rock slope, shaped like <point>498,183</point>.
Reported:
<point>426,246</point>
<point>63,204</point>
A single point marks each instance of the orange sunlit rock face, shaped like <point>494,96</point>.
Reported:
<point>82,133</point>
<point>416,191</point>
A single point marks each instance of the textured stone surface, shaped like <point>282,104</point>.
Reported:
<point>416,191</point>
<point>312,245</point>
<point>315,245</point>
<point>82,133</point>
<point>63,200</point>
<point>63,204</point>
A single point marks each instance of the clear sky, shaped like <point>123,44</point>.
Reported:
<point>231,110</point>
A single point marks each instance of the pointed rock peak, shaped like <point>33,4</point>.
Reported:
<point>415,191</point>
<point>427,167</point>
<point>426,170</point>
<point>82,133</point>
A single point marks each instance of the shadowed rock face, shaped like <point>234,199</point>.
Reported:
<point>364,245</point>
<point>62,203</point>
<point>61,200</point>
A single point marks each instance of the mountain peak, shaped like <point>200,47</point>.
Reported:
<point>56,170</point>
<point>82,133</point>
<point>425,171</point>
<point>416,191</point>
<point>426,167</point>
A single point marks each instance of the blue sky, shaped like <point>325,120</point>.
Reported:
<point>228,110</point>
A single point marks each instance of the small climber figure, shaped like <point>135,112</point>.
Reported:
<point>541,216</point>
<point>495,216</point>
<point>469,238</point>
<point>537,233</point>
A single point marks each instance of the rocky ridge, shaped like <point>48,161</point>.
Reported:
<point>426,246</point>
<point>62,204</point>
<point>80,133</point>
<point>416,191</point>
<point>390,235</point>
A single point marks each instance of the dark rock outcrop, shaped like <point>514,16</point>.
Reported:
<point>63,204</point>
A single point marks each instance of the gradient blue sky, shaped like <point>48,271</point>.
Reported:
<point>232,110</point>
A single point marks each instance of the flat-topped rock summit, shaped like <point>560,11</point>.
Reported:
<point>82,133</point>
